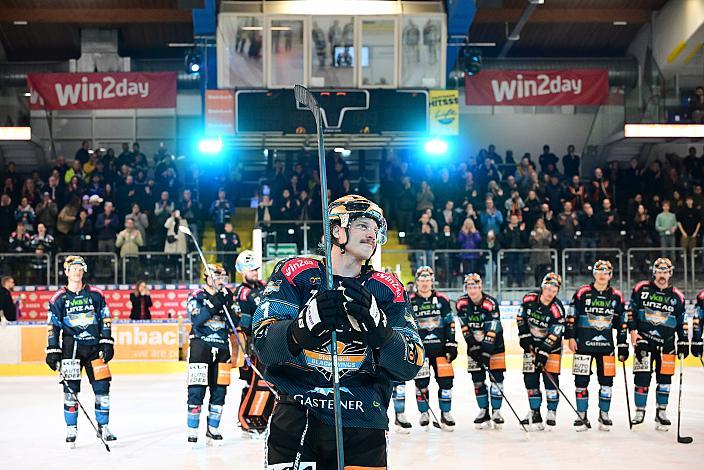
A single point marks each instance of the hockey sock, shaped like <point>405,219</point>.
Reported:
<point>605,392</point>
<point>400,398</point>
<point>640,396</point>
<point>662,394</point>
<point>482,395</point>
<point>193,416</point>
<point>582,395</point>
<point>553,398</point>
<point>70,410</point>
<point>535,398</point>
<point>422,399</point>
<point>214,414</point>
<point>102,409</point>
<point>496,397</point>
<point>445,399</point>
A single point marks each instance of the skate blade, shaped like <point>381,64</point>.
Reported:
<point>498,426</point>
<point>662,427</point>
<point>604,427</point>
<point>446,428</point>
<point>581,429</point>
<point>71,445</point>
<point>538,427</point>
<point>400,430</point>
<point>210,442</point>
<point>482,426</point>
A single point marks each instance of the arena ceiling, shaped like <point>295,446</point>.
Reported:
<point>39,30</point>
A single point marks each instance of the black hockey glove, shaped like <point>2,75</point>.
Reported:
<point>107,348</point>
<point>526,342</point>
<point>364,315</point>
<point>623,351</point>
<point>682,348</point>
<point>697,348</point>
<point>541,358</point>
<point>487,349</point>
<point>642,348</point>
<point>53,358</point>
<point>475,351</point>
<point>321,314</point>
<point>451,351</point>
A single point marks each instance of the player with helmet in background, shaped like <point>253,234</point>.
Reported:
<point>436,327</point>
<point>480,318</point>
<point>248,295</point>
<point>656,313</point>
<point>541,325</point>
<point>209,349</point>
<point>80,336</point>
<point>377,343</point>
<point>597,310</point>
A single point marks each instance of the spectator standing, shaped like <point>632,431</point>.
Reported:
<point>140,219</point>
<point>665,226</point>
<point>83,153</point>
<point>547,160</point>
<point>229,243</point>
<point>570,163</point>
<point>425,198</point>
<point>8,308</point>
<point>141,302</point>
<point>540,258</point>
<point>106,226</point>
<point>47,212</point>
<point>689,223</point>
<point>514,238</point>
<point>469,238</point>
<point>65,219</point>
<point>129,240</point>
<point>491,218</point>
<point>600,187</point>
<point>81,237</point>
<point>221,210</point>
<point>405,205</point>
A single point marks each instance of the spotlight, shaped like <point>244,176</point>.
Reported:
<point>436,147</point>
<point>210,146</point>
<point>192,62</point>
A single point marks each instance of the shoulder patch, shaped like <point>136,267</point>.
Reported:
<point>392,282</point>
<point>555,310</point>
<point>583,290</point>
<point>412,296</point>
<point>442,297</point>
<point>640,285</point>
<point>59,292</point>
<point>487,304</point>
<point>96,290</point>
<point>244,292</point>
<point>700,296</point>
<point>296,266</point>
<point>619,294</point>
<point>461,303</point>
<point>532,297</point>
<point>678,293</point>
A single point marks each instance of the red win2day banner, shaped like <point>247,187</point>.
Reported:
<point>57,91</point>
<point>537,87</point>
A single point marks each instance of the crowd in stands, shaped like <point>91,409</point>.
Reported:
<point>106,202</point>
<point>492,202</point>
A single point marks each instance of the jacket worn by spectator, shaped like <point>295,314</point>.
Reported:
<point>129,242</point>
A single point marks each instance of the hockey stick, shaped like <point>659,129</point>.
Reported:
<point>75,397</point>
<point>549,376</point>
<point>628,400</point>
<point>702,361</point>
<point>680,438</point>
<point>185,230</point>
<point>306,98</point>
<point>493,379</point>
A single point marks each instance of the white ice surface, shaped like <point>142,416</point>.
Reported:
<point>148,415</point>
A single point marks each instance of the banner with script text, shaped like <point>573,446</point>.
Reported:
<point>537,87</point>
<point>443,107</point>
<point>118,90</point>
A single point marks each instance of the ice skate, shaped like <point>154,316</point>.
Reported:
<point>551,418</point>
<point>192,435</point>
<point>581,425</point>
<point>402,424</point>
<point>534,419</point>
<point>483,420</point>
<point>605,422</point>
<point>639,417</point>
<point>497,419</point>
<point>71,433</point>
<point>424,420</point>
<point>661,421</point>
<point>447,422</point>
<point>105,433</point>
<point>213,435</point>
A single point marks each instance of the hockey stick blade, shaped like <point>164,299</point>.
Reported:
<point>306,98</point>
<point>685,439</point>
<point>185,230</point>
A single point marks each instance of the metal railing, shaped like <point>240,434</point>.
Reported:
<point>640,261</point>
<point>300,232</point>
<point>697,263</point>
<point>519,264</point>
<point>575,274</point>
<point>194,266</point>
<point>415,258</point>
<point>99,269</point>
<point>156,266</point>
<point>27,268</point>
<point>450,270</point>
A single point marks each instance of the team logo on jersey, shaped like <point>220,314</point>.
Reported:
<point>656,317</point>
<point>271,287</point>
<point>349,358</point>
<point>392,282</point>
<point>428,323</point>
<point>598,322</point>
<point>295,267</point>
<point>325,391</point>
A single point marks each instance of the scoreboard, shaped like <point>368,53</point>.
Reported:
<point>343,111</point>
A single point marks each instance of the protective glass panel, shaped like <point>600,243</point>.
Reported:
<point>377,54</point>
<point>286,52</point>
<point>421,47</point>
<point>332,51</point>
<point>241,39</point>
